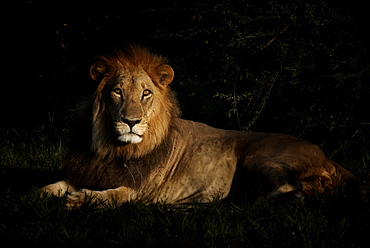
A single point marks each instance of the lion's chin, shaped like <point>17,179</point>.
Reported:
<point>130,138</point>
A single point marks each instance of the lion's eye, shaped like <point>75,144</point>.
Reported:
<point>117,91</point>
<point>146,93</point>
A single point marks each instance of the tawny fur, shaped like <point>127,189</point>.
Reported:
<point>177,161</point>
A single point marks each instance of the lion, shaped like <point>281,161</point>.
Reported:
<point>130,144</point>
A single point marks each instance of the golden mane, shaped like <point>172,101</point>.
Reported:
<point>133,56</point>
<point>103,141</point>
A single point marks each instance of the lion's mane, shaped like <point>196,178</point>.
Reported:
<point>103,140</point>
<point>95,151</point>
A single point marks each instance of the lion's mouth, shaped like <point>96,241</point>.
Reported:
<point>130,137</point>
<point>132,133</point>
<point>128,133</point>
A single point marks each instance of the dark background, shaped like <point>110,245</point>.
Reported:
<point>296,67</point>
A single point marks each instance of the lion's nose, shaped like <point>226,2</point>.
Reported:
<point>130,122</point>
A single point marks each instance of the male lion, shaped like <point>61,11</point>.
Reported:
<point>131,145</point>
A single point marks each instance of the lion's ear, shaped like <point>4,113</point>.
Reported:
<point>98,70</point>
<point>164,74</point>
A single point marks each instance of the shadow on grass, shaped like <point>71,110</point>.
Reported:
<point>20,181</point>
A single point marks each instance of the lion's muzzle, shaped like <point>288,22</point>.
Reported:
<point>130,131</point>
<point>131,123</point>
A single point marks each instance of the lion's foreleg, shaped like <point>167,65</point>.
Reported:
<point>58,189</point>
<point>108,197</point>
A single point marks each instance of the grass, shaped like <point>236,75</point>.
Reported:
<point>29,162</point>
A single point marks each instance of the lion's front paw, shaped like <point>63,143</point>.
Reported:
<point>83,196</point>
<point>58,189</point>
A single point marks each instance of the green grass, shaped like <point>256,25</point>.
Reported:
<point>29,162</point>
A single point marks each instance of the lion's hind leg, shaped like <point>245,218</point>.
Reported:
<point>296,188</point>
<point>293,190</point>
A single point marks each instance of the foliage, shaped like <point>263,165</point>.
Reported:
<point>298,67</point>
<point>285,66</point>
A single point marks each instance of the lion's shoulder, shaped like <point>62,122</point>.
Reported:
<point>197,133</point>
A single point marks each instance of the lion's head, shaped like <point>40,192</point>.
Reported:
<point>133,107</point>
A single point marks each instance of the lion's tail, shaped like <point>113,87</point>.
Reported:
<point>331,177</point>
<point>345,179</point>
